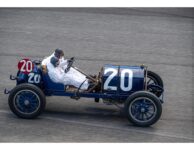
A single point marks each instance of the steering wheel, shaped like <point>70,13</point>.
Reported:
<point>70,63</point>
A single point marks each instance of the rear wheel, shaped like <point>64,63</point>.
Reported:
<point>143,108</point>
<point>27,101</point>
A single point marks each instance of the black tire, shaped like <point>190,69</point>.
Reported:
<point>24,106</point>
<point>140,103</point>
<point>155,77</point>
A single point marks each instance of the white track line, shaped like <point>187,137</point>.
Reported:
<point>109,127</point>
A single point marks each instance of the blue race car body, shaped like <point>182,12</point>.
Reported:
<point>116,83</point>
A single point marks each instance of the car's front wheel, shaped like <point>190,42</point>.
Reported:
<point>27,101</point>
<point>154,79</point>
<point>143,108</point>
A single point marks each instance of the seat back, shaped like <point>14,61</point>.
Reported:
<point>48,83</point>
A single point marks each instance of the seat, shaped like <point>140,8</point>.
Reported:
<point>48,83</point>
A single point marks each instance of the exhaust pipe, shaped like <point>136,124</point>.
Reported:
<point>6,91</point>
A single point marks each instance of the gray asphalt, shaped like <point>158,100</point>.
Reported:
<point>159,38</point>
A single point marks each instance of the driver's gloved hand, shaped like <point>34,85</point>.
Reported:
<point>70,60</point>
<point>66,70</point>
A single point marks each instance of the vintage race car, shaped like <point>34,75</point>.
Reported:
<point>139,90</point>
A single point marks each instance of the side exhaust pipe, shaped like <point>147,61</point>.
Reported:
<point>6,91</point>
<point>12,77</point>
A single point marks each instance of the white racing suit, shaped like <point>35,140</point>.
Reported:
<point>58,75</point>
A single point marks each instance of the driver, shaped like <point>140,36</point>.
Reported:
<point>56,65</point>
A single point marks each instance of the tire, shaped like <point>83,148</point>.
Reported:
<point>27,101</point>
<point>155,77</point>
<point>138,108</point>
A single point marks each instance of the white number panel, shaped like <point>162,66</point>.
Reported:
<point>126,76</point>
<point>33,78</point>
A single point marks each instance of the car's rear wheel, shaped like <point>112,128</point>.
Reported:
<point>143,108</point>
<point>27,101</point>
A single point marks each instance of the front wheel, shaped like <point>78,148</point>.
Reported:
<point>27,101</point>
<point>154,79</point>
<point>143,108</point>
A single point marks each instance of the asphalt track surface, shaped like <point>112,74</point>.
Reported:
<point>159,38</point>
